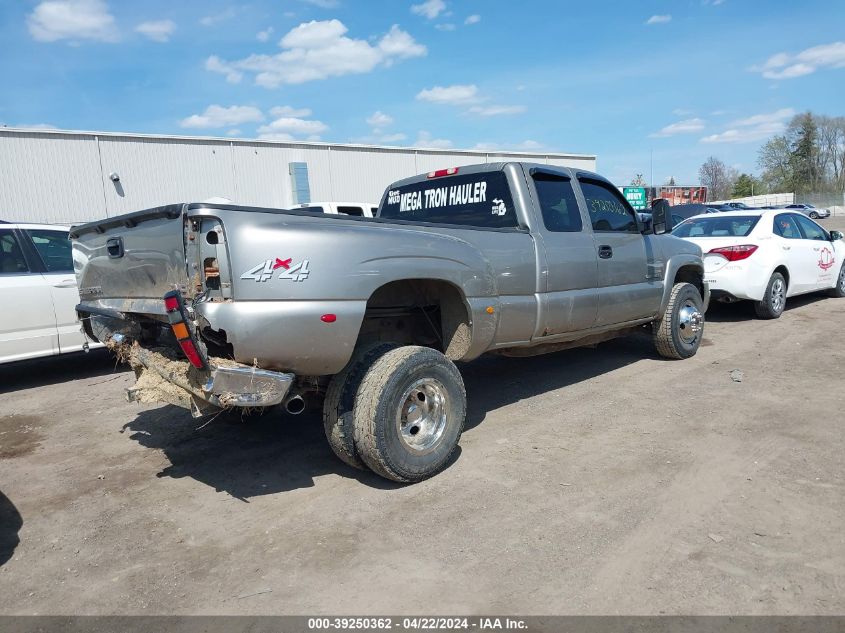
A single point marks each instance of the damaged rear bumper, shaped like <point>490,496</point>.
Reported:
<point>225,384</point>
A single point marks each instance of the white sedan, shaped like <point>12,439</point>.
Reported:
<point>39,293</point>
<point>766,256</point>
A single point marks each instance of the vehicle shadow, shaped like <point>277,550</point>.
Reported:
<point>255,455</point>
<point>495,381</point>
<point>244,455</point>
<point>744,310</point>
<point>40,372</point>
<point>10,524</point>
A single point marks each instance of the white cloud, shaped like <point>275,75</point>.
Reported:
<point>211,20</point>
<point>216,116</point>
<point>446,26</point>
<point>233,132</point>
<point>429,9</point>
<point>263,36</point>
<point>524,146</point>
<point>753,128</point>
<point>318,50</point>
<point>157,30</point>
<point>287,128</point>
<point>380,139</point>
<point>681,127</point>
<point>681,112</point>
<point>473,19</point>
<point>323,4</point>
<point>54,20</point>
<point>458,94</point>
<point>496,110</point>
<point>788,66</point>
<point>216,65</point>
<point>659,19</point>
<point>379,119</point>
<point>424,139</point>
<point>288,111</point>
<point>35,126</point>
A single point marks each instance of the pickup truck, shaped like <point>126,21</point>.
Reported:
<point>221,306</point>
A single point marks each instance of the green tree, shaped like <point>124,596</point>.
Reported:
<point>775,160</point>
<point>803,135</point>
<point>746,185</point>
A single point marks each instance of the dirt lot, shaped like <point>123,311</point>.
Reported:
<point>590,481</point>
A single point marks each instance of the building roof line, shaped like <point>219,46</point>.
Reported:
<point>292,144</point>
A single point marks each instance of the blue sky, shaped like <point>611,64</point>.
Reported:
<point>681,80</point>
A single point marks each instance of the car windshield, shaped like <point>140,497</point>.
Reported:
<point>718,226</point>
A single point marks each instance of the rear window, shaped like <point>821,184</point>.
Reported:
<point>356,211</point>
<point>478,200</point>
<point>717,226</point>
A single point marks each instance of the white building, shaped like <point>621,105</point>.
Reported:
<point>66,177</point>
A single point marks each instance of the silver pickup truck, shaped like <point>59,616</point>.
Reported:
<point>220,306</point>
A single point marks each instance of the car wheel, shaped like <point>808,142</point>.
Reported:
<point>340,400</point>
<point>814,215</point>
<point>409,413</point>
<point>678,333</point>
<point>774,299</point>
<point>839,290</point>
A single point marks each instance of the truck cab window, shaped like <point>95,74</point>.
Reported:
<point>608,210</point>
<point>355,211</point>
<point>557,202</point>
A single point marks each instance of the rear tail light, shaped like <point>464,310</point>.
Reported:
<point>734,253</point>
<point>443,172</point>
<point>181,330</point>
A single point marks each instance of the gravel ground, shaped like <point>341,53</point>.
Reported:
<point>590,481</point>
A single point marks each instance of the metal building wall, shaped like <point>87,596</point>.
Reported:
<point>64,177</point>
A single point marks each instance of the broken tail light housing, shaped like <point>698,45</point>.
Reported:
<point>734,253</point>
<point>175,307</point>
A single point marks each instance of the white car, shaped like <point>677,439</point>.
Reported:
<point>766,256</point>
<point>359,209</point>
<point>39,293</point>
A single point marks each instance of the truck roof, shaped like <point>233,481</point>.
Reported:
<point>477,168</point>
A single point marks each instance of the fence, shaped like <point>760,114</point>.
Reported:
<point>833,201</point>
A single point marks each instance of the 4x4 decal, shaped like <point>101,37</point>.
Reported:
<point>265,270</point>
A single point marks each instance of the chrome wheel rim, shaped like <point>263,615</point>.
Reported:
<point>690,322</point>
<point>778,295</point>
<point>842,279</point>
<point>422,416</point>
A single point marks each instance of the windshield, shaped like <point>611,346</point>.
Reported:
<point>477,200</point>
<point>717,226</point>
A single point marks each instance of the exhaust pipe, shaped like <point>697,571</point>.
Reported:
<point>295,404</point>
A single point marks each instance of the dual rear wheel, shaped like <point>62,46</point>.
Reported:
<point>398,411</point>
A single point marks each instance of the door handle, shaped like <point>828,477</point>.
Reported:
<point>786,248</point>
<point>605,252</point>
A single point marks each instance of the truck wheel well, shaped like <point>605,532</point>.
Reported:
<point>691,275</point>
<point>783,271</point>
<point>428,312</point>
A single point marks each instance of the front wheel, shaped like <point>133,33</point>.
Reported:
<point>774,299</point>
<point>409,413</point>
<point>678,333</point>
<point>814,215</point>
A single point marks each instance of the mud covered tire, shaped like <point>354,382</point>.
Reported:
<point>677,335</point>
<point>409,413</point>
<point>340,400</point>
<point>774,299</point>
<point>839,290</point>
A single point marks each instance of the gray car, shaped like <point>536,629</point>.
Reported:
<point>220,306</point>
<point>808,210</point>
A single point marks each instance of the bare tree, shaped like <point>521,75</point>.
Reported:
<point>639,181</point>
<point>717,177</point>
